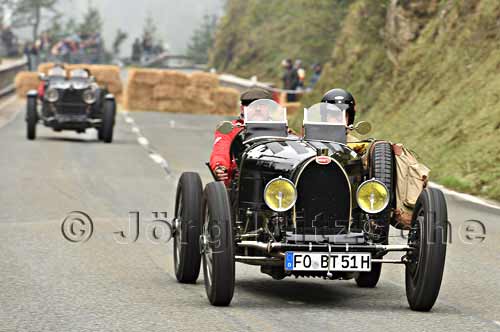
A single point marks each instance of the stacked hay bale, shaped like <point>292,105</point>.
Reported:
<point>173,91</point>
<point>226,100</point>
<point>139,91</point>
<point>25,81</point>
<point>106,75</point>
<point>170,93</point>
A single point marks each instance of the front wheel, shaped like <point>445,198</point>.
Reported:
<point>108,121</point>
<point>427,236</point>
<point>187,225</point>
<point>217,245</point>
<point>31,118</point>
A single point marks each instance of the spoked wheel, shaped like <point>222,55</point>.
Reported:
<point>382,169</point>
<point>31,118</point>
<point>428,236</point>
<point>187,225</point>
<point>217,245</point>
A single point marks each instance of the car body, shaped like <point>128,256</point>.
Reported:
<point>74,103</point>
<point>313,206</point>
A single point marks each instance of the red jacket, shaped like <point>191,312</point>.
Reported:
<point>221,151</point>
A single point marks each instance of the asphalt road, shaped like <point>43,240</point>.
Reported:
<point>48,283</point>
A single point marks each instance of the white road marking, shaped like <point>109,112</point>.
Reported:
<point>465,197</point>
<point>144,142</point>
<point>172,123</point>
<point>157,158</point>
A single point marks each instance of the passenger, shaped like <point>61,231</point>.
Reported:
<point>222,163</point>
<point>344,100</point>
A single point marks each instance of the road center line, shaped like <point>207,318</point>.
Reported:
<point>144,142</point>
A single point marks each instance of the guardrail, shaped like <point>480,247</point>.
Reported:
<point>8,71</point>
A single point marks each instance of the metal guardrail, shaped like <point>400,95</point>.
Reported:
<point>8,73</point>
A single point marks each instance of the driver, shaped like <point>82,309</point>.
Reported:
<point>222,163</point>
<point>57,70</point>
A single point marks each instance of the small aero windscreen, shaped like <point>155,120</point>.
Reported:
<point>265,111</point>
<point>79,73</point>
<point>57,72</point>
<point>324,113</point>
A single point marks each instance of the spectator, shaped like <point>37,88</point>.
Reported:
<point>316,75</point>
<point>301,73</point>
<point>290,79</point>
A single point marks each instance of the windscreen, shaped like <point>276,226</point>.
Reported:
<point>324,113</point>
<point>265,110</point>
<point>79,73</point>
<point>57,72</point>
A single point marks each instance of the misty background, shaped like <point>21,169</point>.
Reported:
<point>175,19</point>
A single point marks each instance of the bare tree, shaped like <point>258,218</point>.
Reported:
<point>30,13</point>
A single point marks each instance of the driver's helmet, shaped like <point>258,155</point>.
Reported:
<point>343,100</point>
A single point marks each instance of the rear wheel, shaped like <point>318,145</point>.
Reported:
<point>382,169</point>
<point>31,118</point>
<point>428,236</point>
<point>217,245</point>
<point>187,225</point>
<point>108,121</point>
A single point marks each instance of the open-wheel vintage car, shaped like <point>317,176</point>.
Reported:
<point>311,206</point>
<point>72,103</point>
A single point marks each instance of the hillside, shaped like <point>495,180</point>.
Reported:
<point>424,72</point>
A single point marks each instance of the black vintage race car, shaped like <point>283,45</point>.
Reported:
<point>311,206</point>
<point>75,103</point>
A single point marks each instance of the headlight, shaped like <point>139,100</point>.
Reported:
<point>89,96</point>
<point>52,95</point>
<point>372,196</point>
<point>280,194</point>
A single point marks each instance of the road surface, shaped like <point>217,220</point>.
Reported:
<point>48,283</point>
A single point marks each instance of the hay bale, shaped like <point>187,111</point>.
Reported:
<point>145,76</point>
<point>226,98</point>
<point>44,67</point>
<point>168,91</point>
<point>139,97</point>
<point>25,81</point>
<point>198,106</point>
<point>205,80</point>
<point>176,78</point>
<point>171,105</point>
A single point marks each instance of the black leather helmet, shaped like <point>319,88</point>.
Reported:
<point>343,99</point>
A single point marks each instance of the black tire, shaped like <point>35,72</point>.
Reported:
<point>187,227</point>
<point>31,118</point>
<point>382,169</point>
<point>217,242</point>
<point>108,120</point>
<point>428,235</point>
<point>100,134</point>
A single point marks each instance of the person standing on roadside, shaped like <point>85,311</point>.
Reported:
<point>301,73</point>
<point>315,75</point>
<point>290,79</point>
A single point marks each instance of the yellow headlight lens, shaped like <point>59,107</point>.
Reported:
<point>280,194</point>
<point>372,196</point>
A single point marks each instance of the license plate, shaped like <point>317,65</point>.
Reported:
<point>335,261</point>
<point>71,118</point>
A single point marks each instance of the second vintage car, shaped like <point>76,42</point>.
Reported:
<point>74,103</point>
<point>313,206</point>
